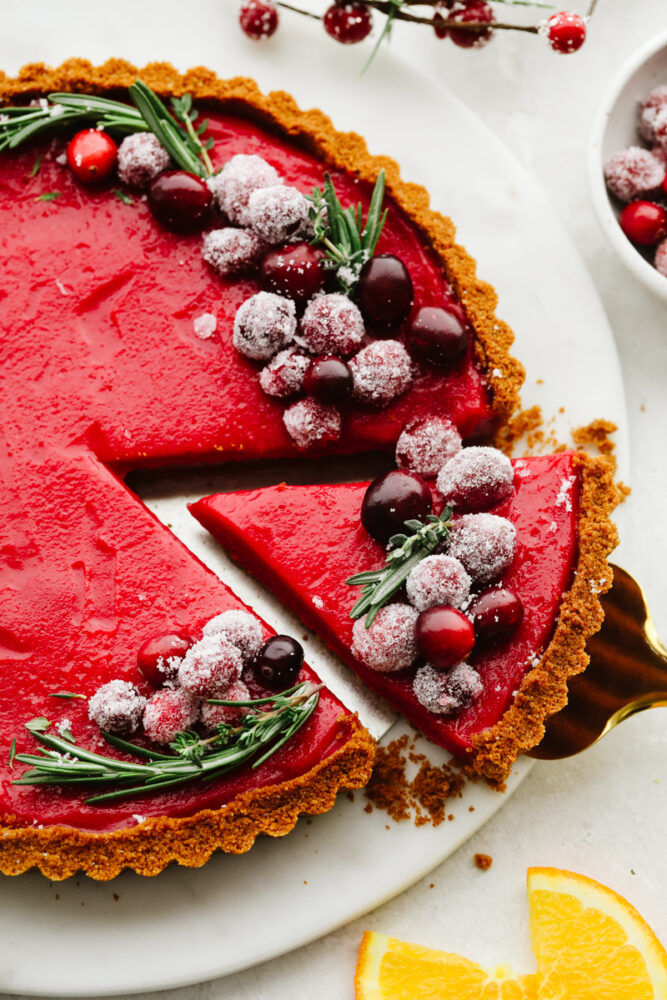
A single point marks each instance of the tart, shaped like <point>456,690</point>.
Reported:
<point>117,352</point>
<point>558,506</point>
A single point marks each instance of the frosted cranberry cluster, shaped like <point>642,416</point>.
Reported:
<point>183,673</point>
<point>453,600</point>
<point>319,347</point>
<point>637,176</point>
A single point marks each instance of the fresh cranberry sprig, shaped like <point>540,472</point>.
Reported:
<point>467,23</point>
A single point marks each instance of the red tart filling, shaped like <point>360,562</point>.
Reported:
<point>258,528</point>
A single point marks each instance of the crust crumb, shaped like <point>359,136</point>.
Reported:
<point>420,797</point>
<point>483,861</point>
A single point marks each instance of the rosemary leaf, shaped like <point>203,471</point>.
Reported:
<point>12,753</point>
<point>67,694</point>
<point>49,196</point>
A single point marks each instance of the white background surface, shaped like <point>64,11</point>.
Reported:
<point>603,814</point>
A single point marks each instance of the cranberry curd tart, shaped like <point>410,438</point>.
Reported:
<point>193,272</point>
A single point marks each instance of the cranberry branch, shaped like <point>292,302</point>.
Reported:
<point>468,23</point>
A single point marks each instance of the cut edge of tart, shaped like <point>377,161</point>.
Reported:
<point>544,689</point>
<point>502,373</point>
<point>62,851</point>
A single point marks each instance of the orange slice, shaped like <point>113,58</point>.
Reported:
<point>389,969</point>
<point>590,943</point>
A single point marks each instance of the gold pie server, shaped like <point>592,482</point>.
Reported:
<point>627,674</point>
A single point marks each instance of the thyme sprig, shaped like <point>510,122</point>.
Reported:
<point>270,723</point>
<point>179,137</point>
<point>347,240</point>
<point>405,551</point>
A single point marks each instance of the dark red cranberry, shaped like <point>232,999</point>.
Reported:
<point>472,10</point>
<point>156,651</point>
<point>643,222</point>
<point>258,18</point>
<point>565,31</point>
<point>441,14</point>
<point>348,22</point>
<point>296,271</point>
<point>92,155</point>
<point>328,379</point>
<point>180,201</point>
<point>392,499</point>
<point>438,336</point>
<point>444,636</point>
<point>384,291</point>
<point>495,614</point>
<point>278,662</point>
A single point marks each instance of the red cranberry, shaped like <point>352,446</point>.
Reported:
<point>384,292</point>
<point>92,155</point>
<point>348,22</point>
<point>438,336</point>
<point>328,379</point>
<point>565,32</point>
<point>444,636</point>
<point>474,10</point>
<point>180,201</point>
<point>643,222</point>
<point>392,499</point>
<point>258,18</point>
<point>295,271</point>
<point>278,662</point>
<point>154,653</point>
<point>495,614</point>
<point>440,14</point>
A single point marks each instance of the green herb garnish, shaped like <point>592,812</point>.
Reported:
<point>67,694</point>
<point>380,585</point>
<point>18,124</point>
<point>347,240</point>
<point>259,734</point>
<point>49,196</point>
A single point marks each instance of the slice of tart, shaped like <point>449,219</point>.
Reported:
<point>519,578</point>
<point>137,331</point>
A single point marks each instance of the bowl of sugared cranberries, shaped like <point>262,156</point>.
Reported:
<point>628,165</point>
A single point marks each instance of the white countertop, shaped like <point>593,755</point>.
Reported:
<point>605,813</point>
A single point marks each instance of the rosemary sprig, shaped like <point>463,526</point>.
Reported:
<point>406,550</point>
<point>182,141</point>
<point>267,727</point>
<point>347,240</point>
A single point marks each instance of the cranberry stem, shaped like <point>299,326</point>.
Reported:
<point>389,8</point>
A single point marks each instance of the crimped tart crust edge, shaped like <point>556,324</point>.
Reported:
<point>61,851</point>
<point>543,691</point>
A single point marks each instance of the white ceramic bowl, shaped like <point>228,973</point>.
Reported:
<point>615,129</point>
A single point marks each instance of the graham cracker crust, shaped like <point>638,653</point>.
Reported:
<point>543,691</point>
<point>60,851</point>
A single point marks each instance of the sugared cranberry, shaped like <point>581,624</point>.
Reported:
<point>348,22</point>
<point>328,379</point>
<point>258,18</point>
<point>644,223</point>
<point>633,172</point>
<point>441,14</point>
<point>384,291</point>
<point>472,11</point>
<point>392,499</point>
<point>565,32</point>
<point>92,155</point>
<point>180,201</point>
<point>438,336</point>
<point>154,656</point>
<point>495,614</point>
<point>278,662</point>
<point>444,636</point>
<point>295,271</point>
